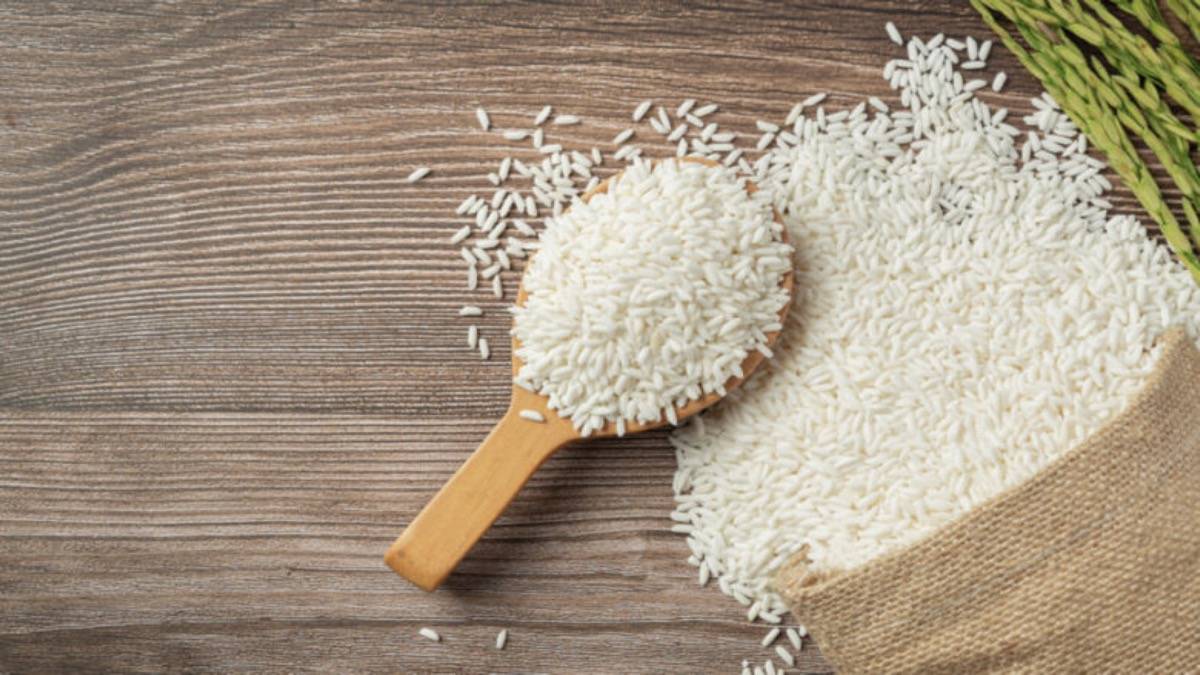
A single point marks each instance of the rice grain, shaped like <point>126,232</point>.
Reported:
<point>532,415</point>
<point>640,111</point>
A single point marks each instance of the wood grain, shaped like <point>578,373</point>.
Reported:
<point>230,363</point>
<point>211,541</point>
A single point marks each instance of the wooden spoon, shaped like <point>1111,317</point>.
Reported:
<point>467,505</point>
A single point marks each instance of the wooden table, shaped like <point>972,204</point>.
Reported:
<point>230,363</point>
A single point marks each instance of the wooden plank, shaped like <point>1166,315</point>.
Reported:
<point>226,541</point>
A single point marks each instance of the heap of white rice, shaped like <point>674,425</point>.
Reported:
<point>650,295</point>
<point>966,311</point>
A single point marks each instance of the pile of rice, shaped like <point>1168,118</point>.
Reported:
<point>651,294</point>
<point>966,311</point>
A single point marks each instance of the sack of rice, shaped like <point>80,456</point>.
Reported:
<point>1089,566</point>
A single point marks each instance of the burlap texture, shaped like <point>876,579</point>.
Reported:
<point>1091,566</point>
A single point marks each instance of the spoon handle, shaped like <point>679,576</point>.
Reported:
<point>466,506</point>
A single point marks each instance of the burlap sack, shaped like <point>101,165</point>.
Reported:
<point>1092,566</point>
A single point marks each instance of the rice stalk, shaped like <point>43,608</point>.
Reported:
<point>1113,108</point>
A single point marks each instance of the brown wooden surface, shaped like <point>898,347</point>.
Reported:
<point>230,363</point>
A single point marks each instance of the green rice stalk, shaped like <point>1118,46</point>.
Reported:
<point>1170,66</point>
<point>1095,99</point>
<point>1179,73</point>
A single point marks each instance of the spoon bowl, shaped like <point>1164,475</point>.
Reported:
<point>467,505</point>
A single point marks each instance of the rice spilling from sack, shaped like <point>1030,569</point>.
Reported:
<point>651,294</point>
<point>967,310</point>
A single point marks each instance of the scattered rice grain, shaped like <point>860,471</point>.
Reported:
<point>532,415</point>
<point>640,111</point>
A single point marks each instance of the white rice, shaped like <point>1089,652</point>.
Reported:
<point>622,255</point>
<point>485,122</point>
<point>623,152</point>
<point>461,234</point>
<point>430,634</point>
<point>543,116</point>
<point>470,310</point>
<point>815,99</point>
<point>893,33</point>
<point>532,415</point>
<point>502,638</point>
<point>793,637</point>
<point>473,336</point>
<point>516,135</point>
<point>417,174</point>
<point>640,111</point>
<point>999,80</point>
<point>523,227</point>
<point>484,351</point>
<point>566,120</point>
<point>620,138</point>
<point>785,655</point>
<point>963,318</point>
<point>771,634</point>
